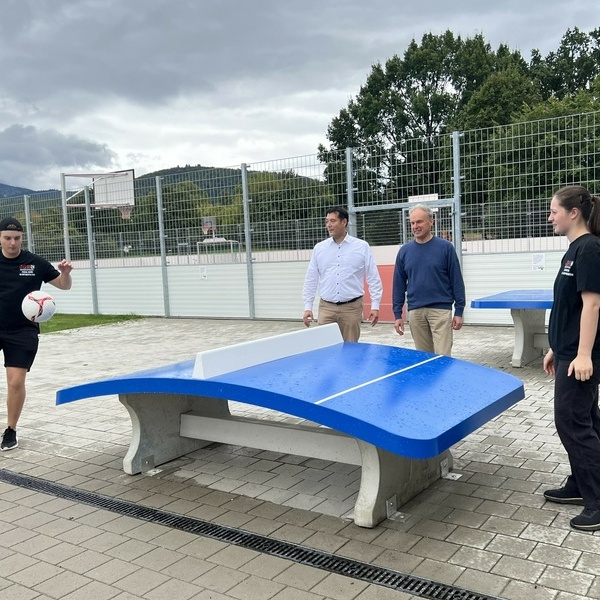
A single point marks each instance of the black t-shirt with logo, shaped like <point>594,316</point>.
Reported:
<point>579,272</point>
<point>18,277</point>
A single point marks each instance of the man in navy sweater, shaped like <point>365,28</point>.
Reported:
<point>427,274</point>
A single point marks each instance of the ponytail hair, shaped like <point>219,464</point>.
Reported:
<point>576,196</point>
<point>594,220</point>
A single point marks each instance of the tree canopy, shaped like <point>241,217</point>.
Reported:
<point>400,121</point>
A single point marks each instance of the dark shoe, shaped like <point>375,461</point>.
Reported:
<point>562,496</point>
<point>9,439</point>
<point>588,520</point>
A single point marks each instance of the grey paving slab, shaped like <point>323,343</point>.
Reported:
<point>489,531</point>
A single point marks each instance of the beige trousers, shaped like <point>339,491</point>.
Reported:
<point>431,329</point>
<point>347,316</point>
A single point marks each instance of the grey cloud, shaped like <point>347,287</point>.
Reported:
<point>150,50</point>
<point>27,152</point>
<point>144,50</point>
<point>101,66</point>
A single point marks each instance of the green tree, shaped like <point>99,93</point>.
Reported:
<point>287,210</point>
<point>398,121</point>
<point>497,100</point>
<point>549,145</point>
<point>48,235</point>
<point>571,68</point>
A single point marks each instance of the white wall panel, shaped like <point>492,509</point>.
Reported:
<point>220,291</point>
<point>128,290</point>
<point>77,300</point>
<point>278,290</point>
<point>487,274</point>
<point>209,291</point>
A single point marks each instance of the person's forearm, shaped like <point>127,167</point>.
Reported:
<point>64,281</point>
<point>588,328</point>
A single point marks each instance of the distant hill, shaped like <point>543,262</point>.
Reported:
<point>9,191</point>
<point>214,180</point>
<point>187,169</point>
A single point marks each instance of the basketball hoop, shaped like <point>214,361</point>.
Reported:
<point>126,211</point>
<point>209,224</point>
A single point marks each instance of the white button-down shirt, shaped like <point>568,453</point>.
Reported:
<point>338,272</point>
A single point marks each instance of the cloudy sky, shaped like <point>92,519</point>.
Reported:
<point>101,85</point>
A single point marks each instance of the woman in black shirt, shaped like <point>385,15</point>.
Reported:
<point>574,354</point>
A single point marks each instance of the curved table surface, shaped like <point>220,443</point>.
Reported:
<point>407,402</point>
<point>524,299</point>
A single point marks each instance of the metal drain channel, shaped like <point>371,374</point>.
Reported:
<point>307,556</point>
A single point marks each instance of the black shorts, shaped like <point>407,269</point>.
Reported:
<point>19,347</point>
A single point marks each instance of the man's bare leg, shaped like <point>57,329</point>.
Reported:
<point>15,397</point>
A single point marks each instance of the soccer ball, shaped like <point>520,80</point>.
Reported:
<point>38,306</point>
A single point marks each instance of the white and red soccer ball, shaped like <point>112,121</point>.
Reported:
<point>38,306</point>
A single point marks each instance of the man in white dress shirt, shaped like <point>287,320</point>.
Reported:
<point>338,268</point>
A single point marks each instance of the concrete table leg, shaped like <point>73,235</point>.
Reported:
<point>529,324</point>
<point>386,475</point>
<point>155,420</point>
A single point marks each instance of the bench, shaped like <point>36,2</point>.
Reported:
<point>528,310</point>
<point>393,411</point>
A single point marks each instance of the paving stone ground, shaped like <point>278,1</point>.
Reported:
<point>489,531</point>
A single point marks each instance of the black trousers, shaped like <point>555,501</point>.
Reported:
<point>577,419</point>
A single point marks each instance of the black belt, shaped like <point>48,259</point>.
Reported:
<point>345,302</point>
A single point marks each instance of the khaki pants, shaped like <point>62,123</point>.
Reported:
<point>431,329</point>
<point>347,316</point>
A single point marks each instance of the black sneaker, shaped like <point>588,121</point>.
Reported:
<point>562,496</point>
<point>588,520</point>
<point>9,439</point>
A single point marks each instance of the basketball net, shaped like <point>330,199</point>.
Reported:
<point>206,230</point>
<point>126,211</point>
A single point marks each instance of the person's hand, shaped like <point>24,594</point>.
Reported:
<point>374,317</point>
<point>399,326</point>
<point>308,317</point>
<point>64,266</point>
<point>548,363</point>
<point>581,367</point>
<point>457,323</point>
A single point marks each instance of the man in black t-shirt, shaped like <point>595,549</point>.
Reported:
<point>21,272</point>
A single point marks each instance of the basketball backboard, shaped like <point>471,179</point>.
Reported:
<point>114,188</point>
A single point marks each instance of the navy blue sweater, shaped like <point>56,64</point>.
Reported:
<point>428,275</point>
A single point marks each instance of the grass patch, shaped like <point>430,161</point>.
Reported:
<point>60,321</point>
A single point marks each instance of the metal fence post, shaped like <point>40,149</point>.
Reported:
<point>248,240</point>
<point>457,216</point>
<point>63,195</point>
<point>163,247</point>
<point>350,191</point>
<point>30,240</point>
<point>91,249</point>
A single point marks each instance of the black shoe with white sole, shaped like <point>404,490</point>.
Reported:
<point>588,520</point>
<point>9,439</point>
<point>563,496</point>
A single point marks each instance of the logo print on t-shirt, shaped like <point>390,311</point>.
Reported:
<point>26,270</point>
<point>567,268</point>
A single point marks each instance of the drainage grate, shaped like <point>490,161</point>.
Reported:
<point>300,554</point>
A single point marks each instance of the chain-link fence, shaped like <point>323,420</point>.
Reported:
<point>502,179</point>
